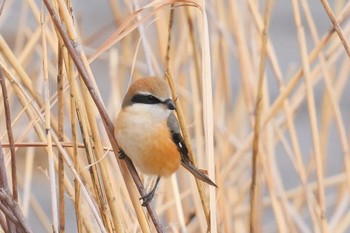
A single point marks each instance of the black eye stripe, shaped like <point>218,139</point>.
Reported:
<point>145,99</point>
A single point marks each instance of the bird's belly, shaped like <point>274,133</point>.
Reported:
<point>149,146</point>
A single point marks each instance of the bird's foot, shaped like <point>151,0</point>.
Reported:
<point>122,154</point>
<point>147,198</point>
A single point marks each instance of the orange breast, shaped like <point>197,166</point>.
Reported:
<point>161,156</point>
<point>149,146</point>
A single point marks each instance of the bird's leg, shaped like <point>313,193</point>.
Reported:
<point>122,154</point>
<point>148,197</point>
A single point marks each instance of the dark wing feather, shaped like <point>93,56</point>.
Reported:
<point>181,146</point>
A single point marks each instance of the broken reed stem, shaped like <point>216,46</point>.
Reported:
<point>105,119</point>
<point>186,137</point>
<point>254,189</point>
<point>10,135</point>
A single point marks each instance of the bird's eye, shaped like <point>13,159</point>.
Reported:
<point>152,99</point>
<point>145,99</point>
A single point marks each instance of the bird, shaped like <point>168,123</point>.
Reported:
<point>148,132</point>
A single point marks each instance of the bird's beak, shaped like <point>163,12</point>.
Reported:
<point>170,104</point>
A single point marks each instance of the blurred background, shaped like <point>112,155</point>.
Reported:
<point>303,159</point>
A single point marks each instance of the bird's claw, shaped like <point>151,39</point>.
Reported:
<point>122,154</point>
<point>146,199</point>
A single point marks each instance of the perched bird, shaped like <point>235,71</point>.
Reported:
<point>148,132</point>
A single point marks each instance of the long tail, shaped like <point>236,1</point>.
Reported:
<point>198,174</point>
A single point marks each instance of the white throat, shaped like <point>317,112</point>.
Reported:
<point>149,112</point>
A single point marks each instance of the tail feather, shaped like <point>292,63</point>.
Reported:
<point>198,174</point>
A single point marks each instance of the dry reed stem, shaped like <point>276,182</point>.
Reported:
<point>336,26</point>
<point>14,217</point>
<point>331,91</point>
<point>312,118</point>
<point>289,119</point>
<point>208,116</point>
<point>182,124</point>
<point>178,205</point>
<point>54,206</point>
<point>10,136</point>
<point>60,119</point>
<point>289,188</point>
<point>242,47</point>
<point>107,123</point>
<point>32,111</point>
<point>255,212</point>
<point>73,107</point>
<point>109,203</point>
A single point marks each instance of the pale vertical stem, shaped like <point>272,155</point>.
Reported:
<point>186,137</point>
<point>60,120</point>
<point>257,126</point>
<point>178,205</point>
<point>28,176</point>
<point>77,199</point>
<point>312,118</point>
<point>244,59</point>
<point>145,43</point>
<point>208,117</point>
<point>51,155</point>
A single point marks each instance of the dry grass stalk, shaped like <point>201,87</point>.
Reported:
<point>10,136</point>
<point>313,120</point>
<point>256,154</point>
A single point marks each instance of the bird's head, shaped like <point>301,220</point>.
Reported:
<point>149,96</point>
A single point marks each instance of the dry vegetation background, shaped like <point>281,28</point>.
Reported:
<point>57,154</point>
